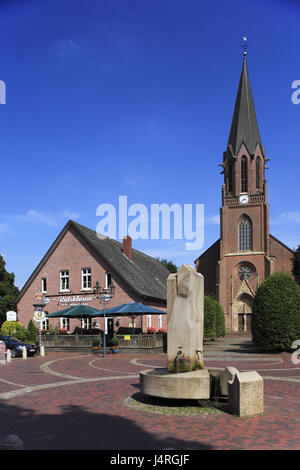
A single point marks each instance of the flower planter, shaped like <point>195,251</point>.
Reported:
<point>96,350</point>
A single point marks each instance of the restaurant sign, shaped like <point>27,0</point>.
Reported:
<point>75,299</point>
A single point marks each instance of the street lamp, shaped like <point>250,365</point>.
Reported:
<point>105,295</point>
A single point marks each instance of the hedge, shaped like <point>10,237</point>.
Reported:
<point>214,319</point>
<point>276,313</point>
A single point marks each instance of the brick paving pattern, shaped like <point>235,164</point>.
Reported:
<point>80,401</point>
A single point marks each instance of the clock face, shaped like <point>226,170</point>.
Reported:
<point>245,272</point>
<point>244,199</point>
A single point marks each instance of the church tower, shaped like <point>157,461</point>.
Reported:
<point>244,215</point>
<point>246,253</point>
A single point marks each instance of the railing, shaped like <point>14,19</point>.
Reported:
<point>141,341</point>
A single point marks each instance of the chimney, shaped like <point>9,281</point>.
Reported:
<point>127,246</point>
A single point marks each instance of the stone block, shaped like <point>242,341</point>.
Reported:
<point>225,377</point>
<point>246,394</point>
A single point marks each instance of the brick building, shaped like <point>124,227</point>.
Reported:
<point>246,252</point>
<point>76,260</point>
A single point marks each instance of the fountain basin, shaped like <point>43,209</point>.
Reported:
<point>193,385</point>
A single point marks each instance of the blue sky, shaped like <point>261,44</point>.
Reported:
<point>135,98</point>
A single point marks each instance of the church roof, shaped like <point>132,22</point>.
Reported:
<point>244,126</point>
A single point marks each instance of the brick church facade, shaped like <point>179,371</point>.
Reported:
<point>246,253</point>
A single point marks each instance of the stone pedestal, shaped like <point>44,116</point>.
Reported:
<point>225,377</point>
<point>185,320</point>
<point>246,394</point>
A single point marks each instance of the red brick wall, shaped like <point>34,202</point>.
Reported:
<point>73,254</point>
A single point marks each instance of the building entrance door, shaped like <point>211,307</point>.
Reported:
<point>244,322</point>
<point>110,329</point>
<point>242,310</point>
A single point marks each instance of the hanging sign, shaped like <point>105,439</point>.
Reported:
<point>38,315</point>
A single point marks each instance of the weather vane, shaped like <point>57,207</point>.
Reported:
<point>245,45</point>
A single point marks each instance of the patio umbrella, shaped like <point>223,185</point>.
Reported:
<point>132,309</point>
<point>78,311</point>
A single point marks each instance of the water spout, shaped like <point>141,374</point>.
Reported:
<point>176,360</point>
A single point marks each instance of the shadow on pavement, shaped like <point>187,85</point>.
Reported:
<point>75,428</point>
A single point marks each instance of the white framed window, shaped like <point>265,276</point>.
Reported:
<point>86,323</point>
<point>86,279</point>
<point>149,321</point>
<point>108,280</point>
<point>45,324</point>
<point>65,323</point>
<point>64,280</point>
<point>44,285</point>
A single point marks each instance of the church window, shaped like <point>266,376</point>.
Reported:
<point>245,234</point>
<point>258,173</point>
<point>244,175</point>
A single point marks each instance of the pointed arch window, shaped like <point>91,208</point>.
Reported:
<point>258,173</point>
<point>245,234</point>
<point>244,175</point>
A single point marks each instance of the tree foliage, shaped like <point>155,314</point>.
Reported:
<point>296,265</point>
<point>169,265</point>
<point>8,291</point>
<point>214,318</point>
<point>276,313</point>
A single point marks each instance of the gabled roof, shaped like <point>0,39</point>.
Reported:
<point>244,126</point>
<point>145,275</point>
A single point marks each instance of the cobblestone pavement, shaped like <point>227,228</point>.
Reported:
<point>80,401</point>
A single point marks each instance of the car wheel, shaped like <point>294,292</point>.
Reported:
<point>13,353</point>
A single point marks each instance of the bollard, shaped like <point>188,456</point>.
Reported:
<point>42,352</point>
<point>8,356</point>
<point>12,442</point>
<point>24,354</point>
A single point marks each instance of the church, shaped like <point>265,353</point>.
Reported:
<point>246,253</point>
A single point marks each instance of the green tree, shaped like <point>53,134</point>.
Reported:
<point>275,320</point>
<point>209,318</point>
<point>32,330</point>
<point>296,265</point>
<point>8,291</point>
<point>169,265</point>
<point>220,320</point>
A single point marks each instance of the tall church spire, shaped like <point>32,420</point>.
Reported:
<point>244,126</point>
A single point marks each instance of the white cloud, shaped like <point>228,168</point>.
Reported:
<point>51,220</point>
<point>5,228</point>
<point>214,219</point>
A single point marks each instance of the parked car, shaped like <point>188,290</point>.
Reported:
<point>16,346</point>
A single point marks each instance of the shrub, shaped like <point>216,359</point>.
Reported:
<point>97,341</point>
<point>209,318</point>
<point>220,320</point>
<point>32,330</point>
<point>15,329</point>
<point>114,341</point>
<point>276,313</point>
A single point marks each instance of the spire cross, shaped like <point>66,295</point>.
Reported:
<point>245,45</point>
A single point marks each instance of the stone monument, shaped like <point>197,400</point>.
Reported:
<point>185,376</point>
